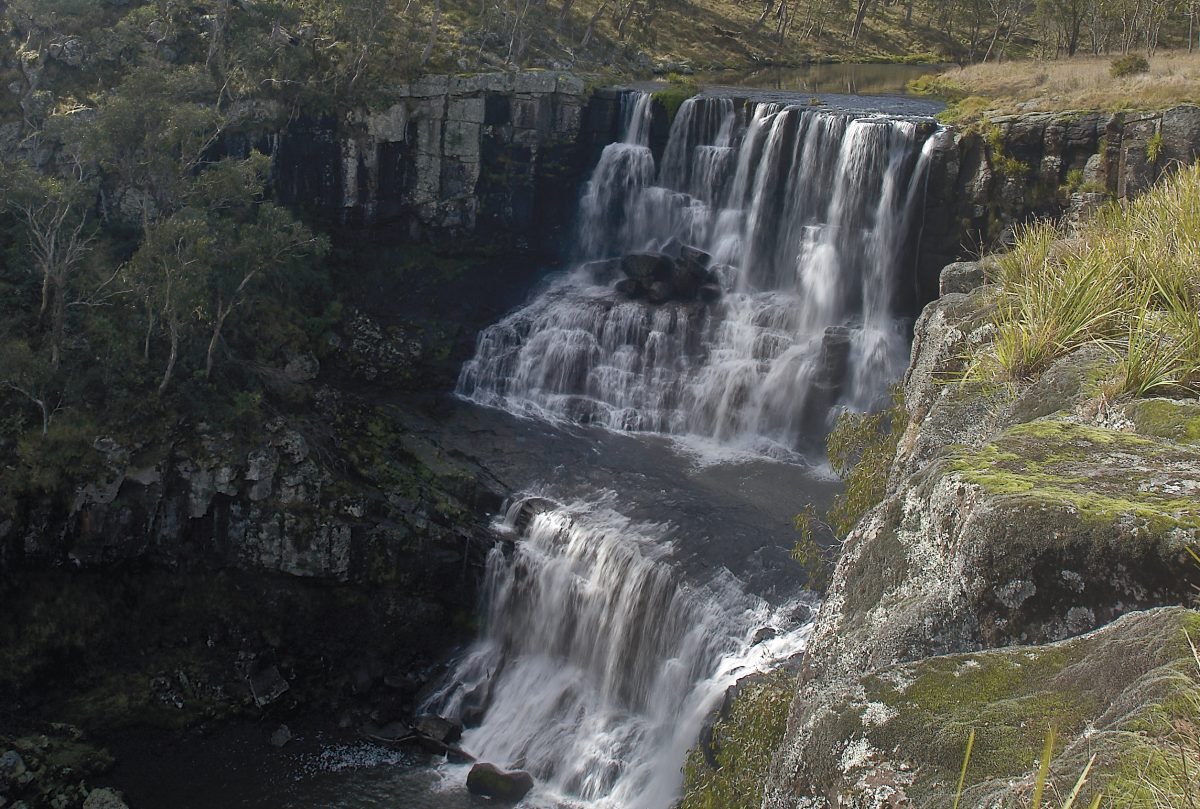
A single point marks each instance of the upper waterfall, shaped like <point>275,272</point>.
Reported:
<point>765,252</point>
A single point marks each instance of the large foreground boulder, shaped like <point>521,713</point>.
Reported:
<point>898,736</point>
<point>490,781</point>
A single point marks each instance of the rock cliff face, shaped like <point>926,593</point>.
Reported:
<point>489,156</point>
<point>1015,515</point>
<point>984,180</point>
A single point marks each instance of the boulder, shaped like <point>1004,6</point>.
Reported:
<point>104,798</point>
<point>961,276</point>
<point>695,256</point>
<point>648,267</point>
<point>1021,514</point>
<point>604,271</point>
<point>659,292</point>
<point>490,781</point>
<point>709,293</point>
<point>439,729</point>
<point>630,288</point>
<point>267,685</point>
<point>896,736</point>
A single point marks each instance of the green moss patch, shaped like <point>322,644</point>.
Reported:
<point>1009,699</point>
<point>1167,418</point>
<point>1103,474</point>
<point>1142,666</point>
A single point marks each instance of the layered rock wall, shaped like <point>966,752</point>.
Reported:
<point>490,156</point>
<point>986,179</point>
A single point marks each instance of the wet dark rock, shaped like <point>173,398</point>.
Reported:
<point>604,271</point>
<point>630,288</point>
<point>659,292</point>
<point>104,798</point>
<point>490,781</point>
<point>672,248</point>
<point>12,766</point>
<point>648,267</point>
<point>475,704</point>
<point>695,256</point>
<point>267,685</point>
<point>439,729</point>
<point>709,293</point>
<point>281,736</point>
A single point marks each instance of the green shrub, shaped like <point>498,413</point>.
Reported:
<point>861,448</point>
<point>678,90</point>
<point>1128,66</point>
<point>742,744</point>
<point>1154,147</point>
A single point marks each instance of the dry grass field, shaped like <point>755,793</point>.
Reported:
<point>1067,84</point>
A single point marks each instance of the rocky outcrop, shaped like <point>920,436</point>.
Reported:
<point>496,155</point>
<point>1015,515</point>
<point>987,178</point>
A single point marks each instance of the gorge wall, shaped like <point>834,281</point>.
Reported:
<point>987,178</point>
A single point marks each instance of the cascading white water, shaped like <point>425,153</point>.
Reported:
<point>804,215</point>
<point>599,663</point>
<point>597,666</point>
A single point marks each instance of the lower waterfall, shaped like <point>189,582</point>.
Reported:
<point>598,665</point>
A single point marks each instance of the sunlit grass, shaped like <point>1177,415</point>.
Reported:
<point>1081,83</point>
<point>1129,280</point>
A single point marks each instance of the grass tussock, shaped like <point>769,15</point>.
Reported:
<point>1129,280</point>
<point>1064,84</point>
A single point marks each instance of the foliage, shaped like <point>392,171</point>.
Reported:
<point>1005,164</point>
<point>861,448</point>
<point>1128,65</point>
<point>1154,147</point>
<point>1127,282</point>
<point>744,742</point>
<point>678,90</point>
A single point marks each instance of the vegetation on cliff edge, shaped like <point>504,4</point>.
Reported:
<point>1127,280</point>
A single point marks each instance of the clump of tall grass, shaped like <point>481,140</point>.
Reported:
<point>1128,280</point>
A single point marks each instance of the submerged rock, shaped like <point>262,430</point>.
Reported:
<point>490,781</point>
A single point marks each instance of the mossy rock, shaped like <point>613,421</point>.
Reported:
<point>1173,419</point>
<point>899,734</point>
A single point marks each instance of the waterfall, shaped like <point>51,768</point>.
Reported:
<point>794,222</point>
<point>740,289</point>
<point>597,665</point>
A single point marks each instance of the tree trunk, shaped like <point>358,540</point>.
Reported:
<point>860,17</point>
<point>433,32</point>
<point>587,35</point>
<point>45,293</point>
<point>58,322</point>
<point>216,339</point>
<point>173,330</point>
<point>563,13</point>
